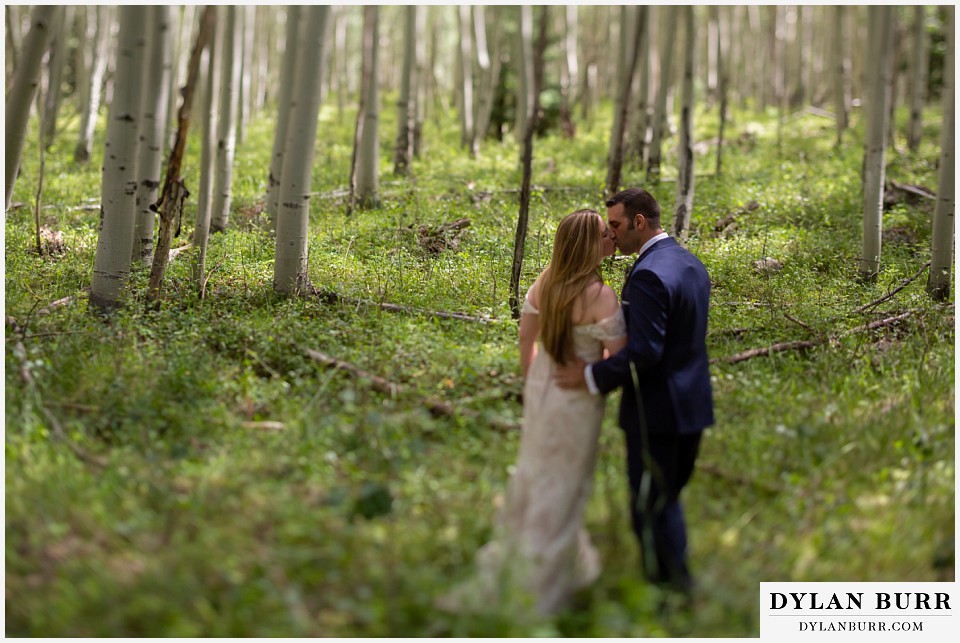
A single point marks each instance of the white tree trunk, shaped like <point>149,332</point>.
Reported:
<point>119,189</point>
<point>368,155</point>
<point>938,283</point>
<point>641,117</point>
<point>26,79</point>
<point>290,254</point>
<point>524,70</point>
<point>420,102</point>
<point>405,105</point>
<point>918,80</point>
<point>248,23</point>
<point>284,109</point>
<point>181,54</point>
<point>841,72</point>
<point>58,56</point>
<point>631,22</point>
<point>488,69</point>
<point>685,174</point>
<point>153,122</point>
<point>211,65</point>
<point>875,137</point>
<point>227,121</point>
<point>667,22</point>
<point>465,57</point>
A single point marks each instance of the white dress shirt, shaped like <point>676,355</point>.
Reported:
<point>588,369</point>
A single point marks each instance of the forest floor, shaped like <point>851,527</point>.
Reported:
<point>194,472</point>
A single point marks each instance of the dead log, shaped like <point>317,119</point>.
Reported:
<point>436,407</point>
<point>436,239</point>
<point>893,292</point>
<point>810,343</point>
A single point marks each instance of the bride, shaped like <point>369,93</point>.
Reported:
<point>540,545</point>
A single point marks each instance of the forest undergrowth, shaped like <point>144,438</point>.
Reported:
<point>193,472</point>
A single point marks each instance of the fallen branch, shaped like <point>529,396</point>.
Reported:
<point>331,297</point>
<point>176,252</point>
<point>913,189</point>
<point>798,322</point>
<point>800,345</point>
<point>437,408</point>
<point>892,292</point>
<point>56,304</point>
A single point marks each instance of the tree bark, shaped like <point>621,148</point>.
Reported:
<point>119,192</point>
<point>841,72</point>
<point>182,41</point>
<point>723,88</point>
<point>285,107</point>
<point>631,45</point>
<point>153,127</point>
<point>26,79</point>
<point>98,66</point>
<point>527,161</point>
<point>489,71</point>
<point>641,117</point>
<point>875,138</point>
<point>918,80</point>
<point>58,55</point>
<point>405,108</point>
<point>368,156</point>
<point>668,21</point>
<point>211,64</point>
<point>468,137</point>
<point>423,79</point>
<point>685,173</point>
<point>248,24</point>
<point>174,192</point>
<point>524,70</point>
<point>938,283</point>
<point>290,253</point>
<point>227,121</point>
<point>570,71</point>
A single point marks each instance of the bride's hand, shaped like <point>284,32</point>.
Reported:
<point>570,376</point>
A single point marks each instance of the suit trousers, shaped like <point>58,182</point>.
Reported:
<point>655,509</point>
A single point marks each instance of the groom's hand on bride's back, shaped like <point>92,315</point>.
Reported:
<point>570,375</point>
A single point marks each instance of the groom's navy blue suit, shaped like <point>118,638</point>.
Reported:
<point>665,301</point>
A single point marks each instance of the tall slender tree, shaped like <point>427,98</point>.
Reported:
<point>153,125</point>
<point>406,109</point>
<point>227,121</point>
<point>284,109</point>
<point>938,283</point>
<point>465,56</point>
<point>210,65</point>
<point>523,46</point>
<point>918,77</point>
<point>632,23</point>
<point>98,66</point>
<point>26,79</point>
<point>841,71</point>
<point>368,150</point>
<point>875,138</point>
<point>290,254</point>
<point>569,70</point>
<point>111,265</point>
<point>424,76</point>
<point>685,175</point>
<point>58,58</point>
<point>668,18</point>
<point>488,67</point>
<point>723,81</point>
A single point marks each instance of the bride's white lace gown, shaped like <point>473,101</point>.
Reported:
<point>540,544</point>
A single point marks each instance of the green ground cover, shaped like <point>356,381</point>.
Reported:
<point>183,519</point>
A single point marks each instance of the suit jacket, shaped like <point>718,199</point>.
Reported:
<point>665,301</point>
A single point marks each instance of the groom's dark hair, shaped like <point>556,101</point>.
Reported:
<point>637,201</point>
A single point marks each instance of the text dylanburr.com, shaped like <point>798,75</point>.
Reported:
<point>858,611</point>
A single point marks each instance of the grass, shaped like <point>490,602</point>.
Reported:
<point>836,463</point>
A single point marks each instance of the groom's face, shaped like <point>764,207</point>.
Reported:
<point>625,232</point>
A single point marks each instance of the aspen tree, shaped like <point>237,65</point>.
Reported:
<point>288,70</point>
<point>408,93</point>
<point>119,192</point>
<point>841,72</point>
<point>938,282</point>
<point>368,154</point>
<point>631,23</point>
<point>210,64</point>
<point>26,79</point>
<point>227,121</point>
<point>465,57</point>
<point>290,254</point>
<point>153,122</point>
<point>685,174</point>
<point>98,66</point>
<point>918,77</point>
<point>668,18</point>
<point>875,137</point>
<point>58,57</point>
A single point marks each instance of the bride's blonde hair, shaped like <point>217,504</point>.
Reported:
<point>577,251</point>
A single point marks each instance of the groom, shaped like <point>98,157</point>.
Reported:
<point>667,401</point>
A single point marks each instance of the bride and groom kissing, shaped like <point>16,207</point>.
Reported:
<point>652,345</point>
